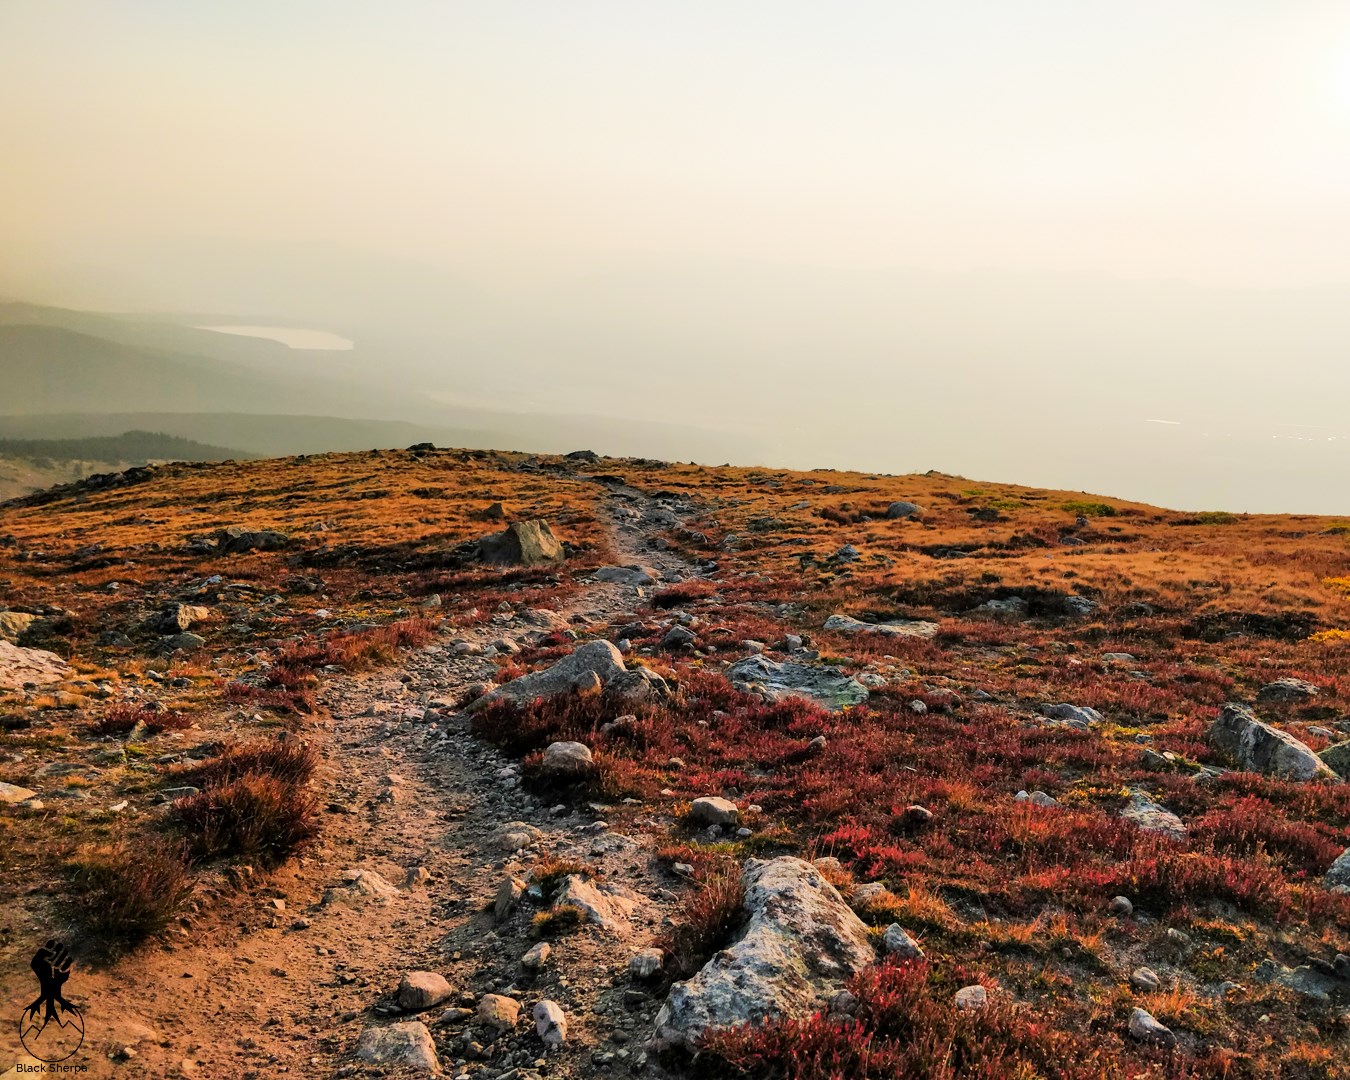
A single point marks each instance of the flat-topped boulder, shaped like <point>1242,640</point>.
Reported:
<point>917,628</point>
<point>1260,747</point>
<point>19,666</point>
<point>799,945</point>
<point>827,685</point>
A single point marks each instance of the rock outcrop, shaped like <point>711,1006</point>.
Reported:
<point>800,945</point>
<point>1259,747</point>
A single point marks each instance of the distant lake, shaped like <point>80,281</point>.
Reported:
<point>292,336</point>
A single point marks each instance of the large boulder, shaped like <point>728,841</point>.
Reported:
<point>581,667</point>
<point>522,543</point>
<point>406,1046</point>
<point>1257,746</point>
<point>19,666</point>
<point>800,945</point>
<point>902,509</point>
<point>846,624</point>
<point>829,686</point>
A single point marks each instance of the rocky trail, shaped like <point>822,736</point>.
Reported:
<point>423,825</point>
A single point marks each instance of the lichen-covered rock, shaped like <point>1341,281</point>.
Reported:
<point>1259,747</point>
<point>563,759</point>
<point>1338,873</point>
<point>799,947</point>
<point>917,628</point>
<point>582,666</point>
<point>1336,757</point>
<point>826,685</point>
<point>1153,817</point>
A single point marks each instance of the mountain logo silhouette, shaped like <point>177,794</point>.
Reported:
<point>51,1028</point>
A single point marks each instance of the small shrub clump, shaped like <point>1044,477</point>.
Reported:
<point>127,892</point>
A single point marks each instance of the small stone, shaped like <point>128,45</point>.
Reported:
<point>1146,1029</point>
<point>898,943</point>
<point>646,963</point>
<point>972,997</point>
<point>711,810</point>
<point>509,893</point>
<point>1120,905</point>
<point>550,1022</point>
<point>499,1011</point>
<point>420,990</point>
<point>1143,978</point>
<point>537,957</point>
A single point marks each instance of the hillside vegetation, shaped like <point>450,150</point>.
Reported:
<point>1014,779</point>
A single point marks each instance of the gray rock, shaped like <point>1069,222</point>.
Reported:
<point>237,541</point>
<point>420,990</point>
<point>522,543</point>
<point>917,628</point>
<point>827,685</point>
<point>628,575</point>
<point>406,1045</point>
<point>645,963</point>
<point>1283,691</point>
<point>1148,1030</point>
<point>1259,747</point>
<point>1336,757</point>
<point>897,942</point>
<point>1143,978</point>
<point>711,810</point>
<point>1121,905</point>
<point>1150,816</point>
<point>972,997</point>
<point>595,659</point>
<point>508,896</point>
<point>1078,715</point>
<point>798,948</point>
<point>1079,605</point>
<point>514,835</point>
<point>901,509</point>
<point>1120,658</point>
<point>678,637</point>
<point>1009,607</point>
<point>568,759</point>
<point>1037,798</point>
<point>1338,874</point>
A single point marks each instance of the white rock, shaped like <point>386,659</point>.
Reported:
<point>1146,1029</point>
<point>550,1022</point>
<point>711,810</point>
<point>645,963</point>
<point>972,997</point>
<point>798,948</point>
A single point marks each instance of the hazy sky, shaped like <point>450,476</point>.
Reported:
<point>757,190</point>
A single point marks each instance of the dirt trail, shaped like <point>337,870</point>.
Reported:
<point>273,979</point>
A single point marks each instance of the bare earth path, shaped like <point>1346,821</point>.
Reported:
<point>273,979</point>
